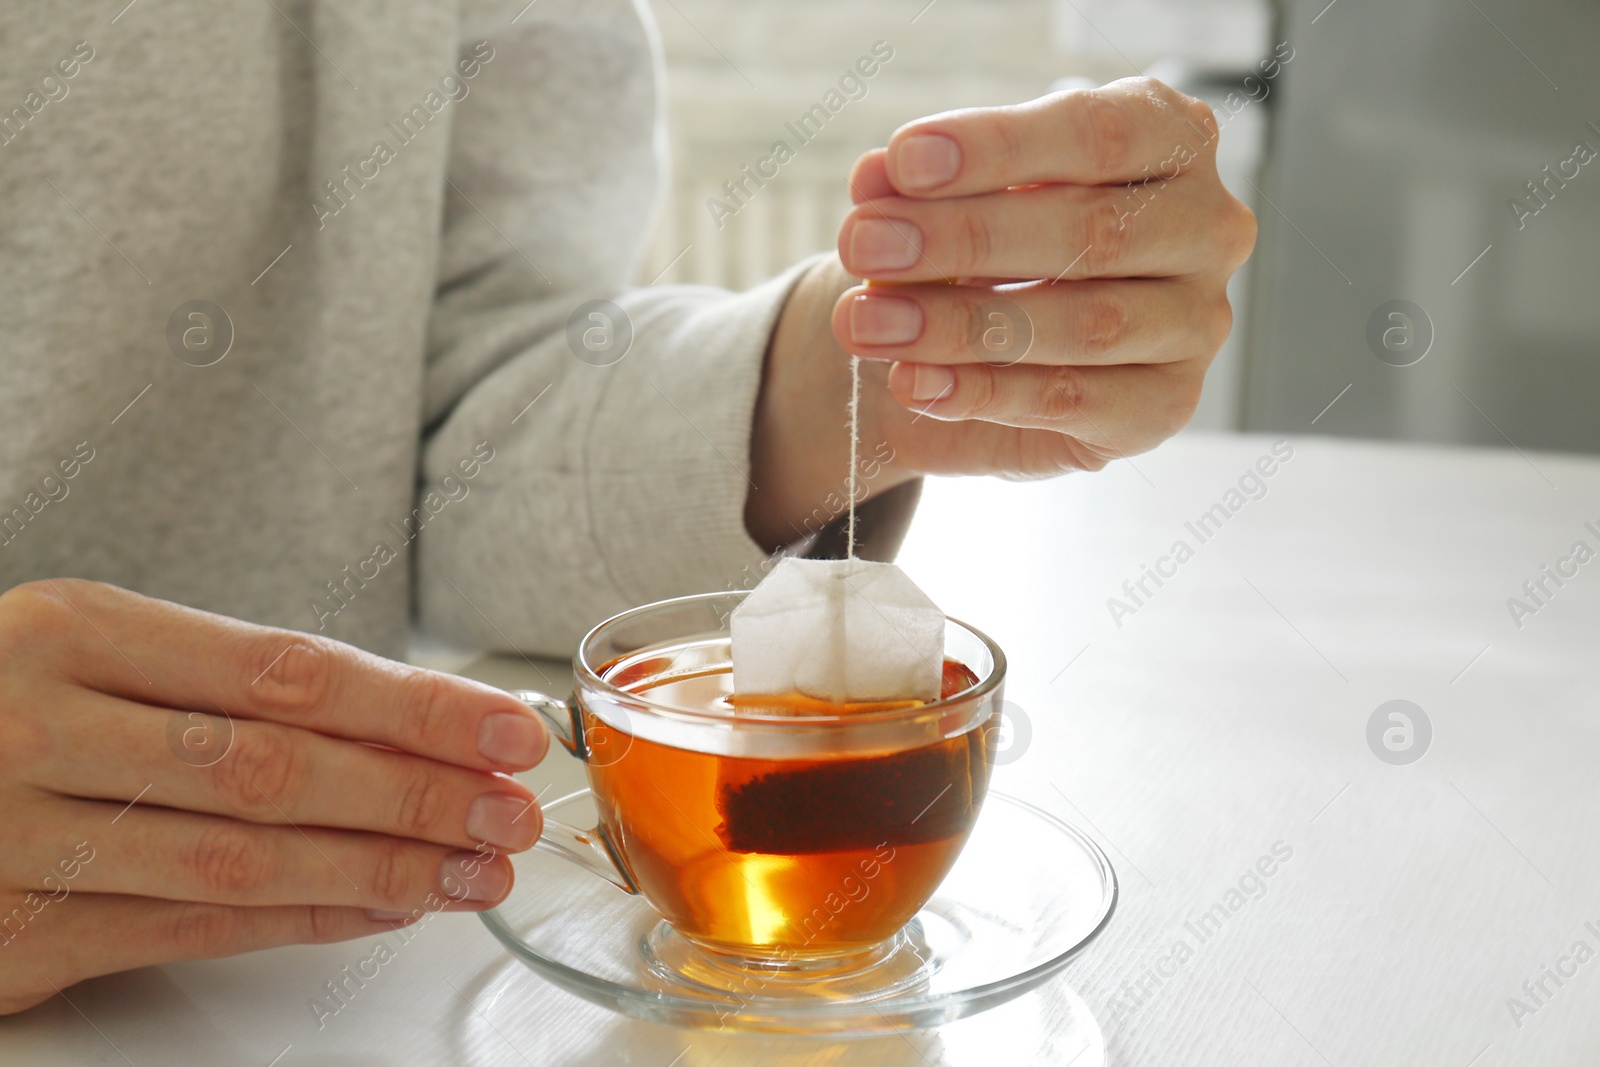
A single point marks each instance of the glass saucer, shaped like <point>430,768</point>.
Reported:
<point>1028,892</point>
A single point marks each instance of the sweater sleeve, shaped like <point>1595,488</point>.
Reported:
<point>617,446</point>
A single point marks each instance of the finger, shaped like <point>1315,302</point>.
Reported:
<point>1085,323</point>
<point>1121,410</point>
<point>1121,132</point>
<point>178,855</point>
<point>160,653</point>
<point>1055,232</point>
<point>94,934</point>
<point>110,749</point>
<point>869,178</point>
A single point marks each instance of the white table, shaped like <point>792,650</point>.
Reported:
<point>1226,714</point>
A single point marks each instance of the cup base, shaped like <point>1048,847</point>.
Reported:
<point>899,964</point>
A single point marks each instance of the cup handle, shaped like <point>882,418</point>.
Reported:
<point>560,716</point>
<point>588,849</point>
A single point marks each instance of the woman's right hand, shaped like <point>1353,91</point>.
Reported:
<point>179,785</point>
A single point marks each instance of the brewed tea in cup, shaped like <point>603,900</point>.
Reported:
<point>769,832</point>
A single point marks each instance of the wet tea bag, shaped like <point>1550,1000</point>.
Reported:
<point>853,632</point>
<point>844,631</point>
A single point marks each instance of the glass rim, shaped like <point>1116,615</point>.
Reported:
<point>587,677</point>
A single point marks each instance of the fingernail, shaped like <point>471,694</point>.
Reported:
<point>470,876</point>
<point>504,820</point>
<point>884,244</point>
<point>884,320</point>
<point>932,382</point>
<point>927,161</point>
<point>512,739</point>
<point>390,916</point>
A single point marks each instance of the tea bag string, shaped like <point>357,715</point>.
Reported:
<point>855,430</point>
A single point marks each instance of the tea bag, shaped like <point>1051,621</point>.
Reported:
<point>846,632</point>
<point>843,631</point>
<point>852,632</point>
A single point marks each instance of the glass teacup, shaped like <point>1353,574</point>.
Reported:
<point>796,839</point>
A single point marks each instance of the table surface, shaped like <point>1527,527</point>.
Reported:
<point>1220,716</point>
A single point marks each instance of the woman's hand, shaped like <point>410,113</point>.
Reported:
<point>1059,273</point>
<point>178,785</point>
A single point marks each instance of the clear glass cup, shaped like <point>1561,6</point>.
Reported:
<point>789,846</point>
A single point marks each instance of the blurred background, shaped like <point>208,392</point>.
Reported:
<point>1429,256</point>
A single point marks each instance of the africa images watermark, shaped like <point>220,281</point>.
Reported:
<point>1399,732</point>
<point>1252,486</point>
<point>1257,87</point>
<point>852,889</point>
<point>833,505</point>
<point>49,89</point>
<point>1008,735</point>
<point>453,88</point>
<point>852,86</point>
<point>1250,886</point>
<point>1399,333</point>
<point>1542,191</point>
<point>1538,591</point>
<point>52,490</point>
<point>344,587</point>
<point>1539,991</point>
<point>341,990</point>
<point>56,889</point>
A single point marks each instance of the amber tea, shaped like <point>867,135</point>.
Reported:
<point>809,857</point>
